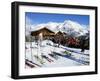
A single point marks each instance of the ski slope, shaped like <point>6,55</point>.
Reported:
<point>49,55</point>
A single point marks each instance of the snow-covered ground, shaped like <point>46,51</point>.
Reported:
<point>47,54</point>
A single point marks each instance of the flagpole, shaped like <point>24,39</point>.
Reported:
<point>31,44</point>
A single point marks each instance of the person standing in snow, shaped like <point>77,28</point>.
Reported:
<point>82,43</point>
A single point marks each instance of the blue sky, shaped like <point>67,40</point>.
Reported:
<point>39,18</point>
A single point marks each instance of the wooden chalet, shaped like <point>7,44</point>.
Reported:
<point>46,33</point>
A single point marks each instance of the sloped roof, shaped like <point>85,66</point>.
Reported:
<point>47,32</point>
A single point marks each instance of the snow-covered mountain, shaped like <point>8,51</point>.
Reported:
<point>70,27</point>
<point>73,28</point>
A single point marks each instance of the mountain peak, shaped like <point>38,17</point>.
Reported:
<point>68,26</point>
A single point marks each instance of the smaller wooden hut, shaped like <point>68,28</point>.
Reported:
<point>59,38</point>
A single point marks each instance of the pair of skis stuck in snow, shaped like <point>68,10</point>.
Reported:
<point>43,57</point>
